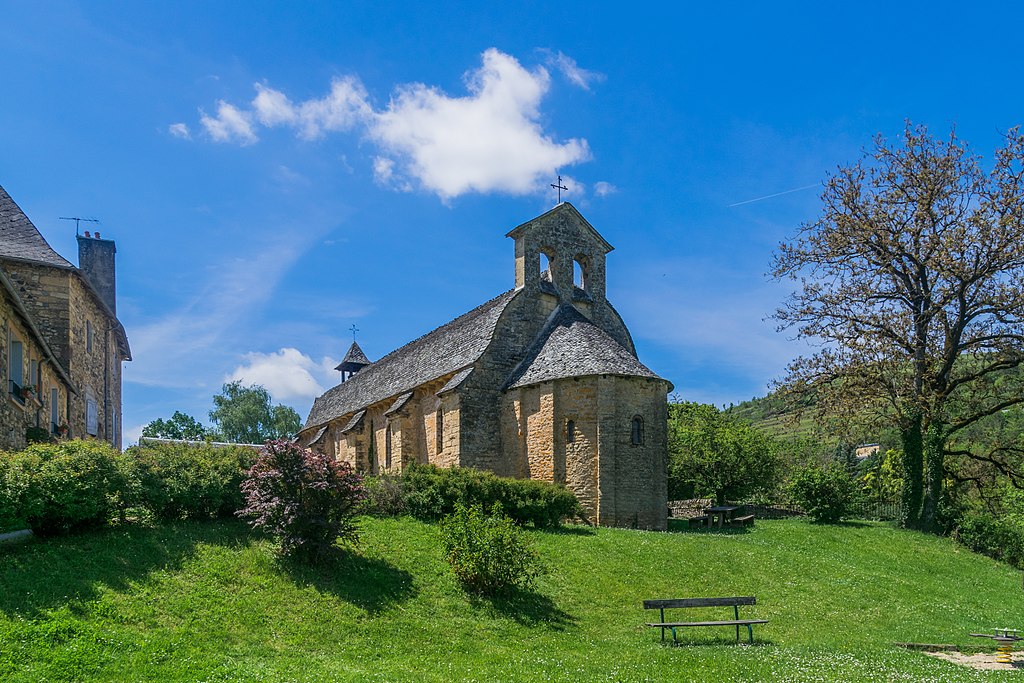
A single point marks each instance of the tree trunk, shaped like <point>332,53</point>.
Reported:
<point>934,456</point>
<point>913,472</point>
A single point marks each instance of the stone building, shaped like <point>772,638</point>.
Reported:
<point>542,382</point>
<point>62,347</point>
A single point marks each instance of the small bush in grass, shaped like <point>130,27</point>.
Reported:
<point>306,499</point>
<point>187,481</point>
<point>385,496</point>
<point>827,494</point>
<point>488,552</point>
<point>998,538</point>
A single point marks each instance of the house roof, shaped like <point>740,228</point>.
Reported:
<point>354,359</point>
<point>572,346</point>
<point>20,239</point>
<point>449,348</point>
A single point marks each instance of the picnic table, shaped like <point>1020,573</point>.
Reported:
<point>720,515</point>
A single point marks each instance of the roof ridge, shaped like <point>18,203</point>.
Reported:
<point>22,239</point>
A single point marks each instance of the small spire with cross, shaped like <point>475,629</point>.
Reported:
<point>353,329</point>
<point>558,186</point>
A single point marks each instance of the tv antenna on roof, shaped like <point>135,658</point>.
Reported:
<point>76,219</point>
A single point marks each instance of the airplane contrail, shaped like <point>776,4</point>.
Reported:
<point>777,194</point>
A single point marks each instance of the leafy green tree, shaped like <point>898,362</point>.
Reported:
<point>911,281</point>
<point>713,454</point>
<point>178,426</point>
<point>244,414</point>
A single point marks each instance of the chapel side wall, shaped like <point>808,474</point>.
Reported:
<point>639,483</point>
<point>578,458</point>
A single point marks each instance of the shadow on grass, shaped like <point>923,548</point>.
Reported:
<point>526,607</point>
<point>569,530</point>
<point>50,572</point>
<point>368,583</point>
<point>681,526</point>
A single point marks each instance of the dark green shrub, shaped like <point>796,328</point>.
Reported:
<point>65,486</point>
<point>308,500</point>
<point>488,552</point>
<point>434,492</point>
<point>999,539</point>
<point>20,498</point>
<point>827,494</point>
<point>37,435</point>
<point>186,481</point>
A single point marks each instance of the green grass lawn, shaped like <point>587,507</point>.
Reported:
<point>208,602</point>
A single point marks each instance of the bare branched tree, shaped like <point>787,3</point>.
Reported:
<point>912,282</point>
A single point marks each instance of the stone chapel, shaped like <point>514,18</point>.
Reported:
<point>540,382</point>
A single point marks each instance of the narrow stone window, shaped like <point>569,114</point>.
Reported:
<point>88,335</point>
<point>637,432</point>
<point>546,261</point>
<point>91,416</point>
<point>54,410</point>
<point>570,431</point>
<point>579,274</point>
<point>15,366</point>
<point>439,431</point>
<point>387,445</point>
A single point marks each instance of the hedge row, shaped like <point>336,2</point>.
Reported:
<point>1000,539</point>
<point>431,493</point>
<point>63,487</point>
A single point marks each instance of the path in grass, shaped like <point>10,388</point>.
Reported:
<point>208,602</point>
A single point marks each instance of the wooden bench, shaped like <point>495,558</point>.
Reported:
<point>698,521</point>
<point>745,520</point>
<point>682,603</point>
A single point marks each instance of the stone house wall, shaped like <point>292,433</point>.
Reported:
<point>19,413</point>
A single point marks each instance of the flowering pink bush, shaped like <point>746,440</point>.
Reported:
<point>306,499</point>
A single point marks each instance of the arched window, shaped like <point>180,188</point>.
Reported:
<point>570,431</point>
<point>545,267</point>
<point>637,431</point>
<point>579,272</point>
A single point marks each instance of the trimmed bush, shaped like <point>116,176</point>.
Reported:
<point>999,539</point>
<point>58,488</point>
<point>432,493</point>
<point>306,499</point>
<point>488,552</point>
<point>827,494</point>
<point>186,481</point>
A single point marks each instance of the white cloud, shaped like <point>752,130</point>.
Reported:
<point>180,130</point>
<point>287,374</point>
<point>603,189</point>
<point>340,110</point>
<point>132,434</point>
<point>231,124</point>
<point>572,71</point>
<point>490,140</point>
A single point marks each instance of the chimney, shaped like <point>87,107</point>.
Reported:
<point>96,261</point>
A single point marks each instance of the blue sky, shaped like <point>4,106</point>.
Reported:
<point>274,173</point>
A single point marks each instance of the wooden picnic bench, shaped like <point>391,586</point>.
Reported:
<point>681,603</point>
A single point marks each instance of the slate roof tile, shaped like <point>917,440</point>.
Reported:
<point>445,350</point>
<point>572,346</point>
<point>20,239</point>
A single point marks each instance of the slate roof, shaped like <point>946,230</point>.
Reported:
<point>572,346</point>
<point>449,348</point>
<point>354,359</point>
<point>20,239</point>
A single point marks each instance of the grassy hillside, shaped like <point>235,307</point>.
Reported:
<point>208,602</point>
